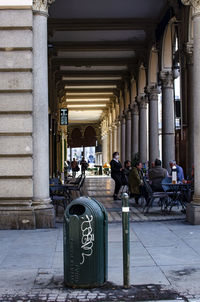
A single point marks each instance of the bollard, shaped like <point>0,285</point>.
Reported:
<point>126,240</point>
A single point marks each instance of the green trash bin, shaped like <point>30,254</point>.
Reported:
<point>85,243</point>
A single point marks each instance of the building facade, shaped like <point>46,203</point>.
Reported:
<point>109,64</point>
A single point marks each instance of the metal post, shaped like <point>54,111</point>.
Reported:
<point>126,240</point>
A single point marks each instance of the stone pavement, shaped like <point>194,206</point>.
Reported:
<point>164,263</point>
<point>102,189</point>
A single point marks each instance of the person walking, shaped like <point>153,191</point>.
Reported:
<point>74,167</point>
<point>84,165</point>
<point>116,173</point>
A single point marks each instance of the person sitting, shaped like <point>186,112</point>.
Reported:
<point>180,173</point>
<point>125,172</point>
<point>156,175</point>
<point>135,181</point>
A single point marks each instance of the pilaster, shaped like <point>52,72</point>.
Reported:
<point>193,209</point>
<point>42,205</point>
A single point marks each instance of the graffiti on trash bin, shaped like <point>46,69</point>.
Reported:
<point>87,238</point>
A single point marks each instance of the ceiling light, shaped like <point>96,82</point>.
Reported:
<point>91,78</point>
<point>87,100</point>
<point>90,86</point>
<point>88,93</point>
<point>86,106</point>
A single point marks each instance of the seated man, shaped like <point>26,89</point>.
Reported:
<point>180,173</point>
<point>136,184</point>
<point>125,172</point>
<point>156,175</point>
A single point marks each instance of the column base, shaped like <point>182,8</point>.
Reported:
<point>45,217</point>
<point>17,219</point>
<point>193,213</point>
<point>27,217</point>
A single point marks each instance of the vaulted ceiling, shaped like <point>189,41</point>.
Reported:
<point>94,45</point>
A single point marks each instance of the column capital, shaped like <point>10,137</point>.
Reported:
<point>167,78</point>
<point>153,92</point>
<point>123,120</point>
<point>134,109</point>
<point>41,6</point>
<point>195,4</point>
<point>142,101</point>
<point>128,115</point>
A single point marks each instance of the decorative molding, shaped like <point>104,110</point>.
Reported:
<point>153,92</point>
<point>142,101</point>
<point>128,115</point>
<point>134,109</point>
<point>167,78</point>
<point>195,4</point>
<point>41,6</point>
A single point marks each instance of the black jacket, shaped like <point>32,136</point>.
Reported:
<point>115,168</point>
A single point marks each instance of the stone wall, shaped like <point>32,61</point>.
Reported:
<point>16,122</point>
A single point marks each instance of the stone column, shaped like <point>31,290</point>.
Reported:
<point>193,209</point>
<point>128,135</point>
<point>190,104</point>
<point>153,123</point>
<point>115,138</point>
<point>168,133</point>
<point>123,141</point>
<point>44,210</point>
<point>134,130</point>
<point>142,101</point>
<point>105,149</point>
<point>119,136</point>
<point>71,154</point>
<point>110,144</point>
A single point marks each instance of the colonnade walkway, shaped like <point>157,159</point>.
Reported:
<point>102,188</point>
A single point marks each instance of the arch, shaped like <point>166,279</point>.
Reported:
<point>133,90</point>
<point>153,67</point>
<point>90,136</point>
<point>76,138</point>
<point>141,79</point>
<point>166,58</point>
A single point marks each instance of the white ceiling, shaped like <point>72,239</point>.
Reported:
<point>79,116</point>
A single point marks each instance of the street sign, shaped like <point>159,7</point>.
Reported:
<point>63,116</point>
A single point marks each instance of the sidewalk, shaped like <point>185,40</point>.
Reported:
<point>164,258</point>
<point>165,262</point>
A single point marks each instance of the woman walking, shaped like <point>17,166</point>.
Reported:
<point>116,173</point>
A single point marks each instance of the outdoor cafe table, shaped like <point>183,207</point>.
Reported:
<point>178,193</point>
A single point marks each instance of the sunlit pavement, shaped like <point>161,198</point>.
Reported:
<point>164,261</point>
<point>102,189</point>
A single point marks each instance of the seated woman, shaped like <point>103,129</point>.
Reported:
<point>135,180</point>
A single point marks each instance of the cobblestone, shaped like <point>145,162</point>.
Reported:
<point>107,293</point>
